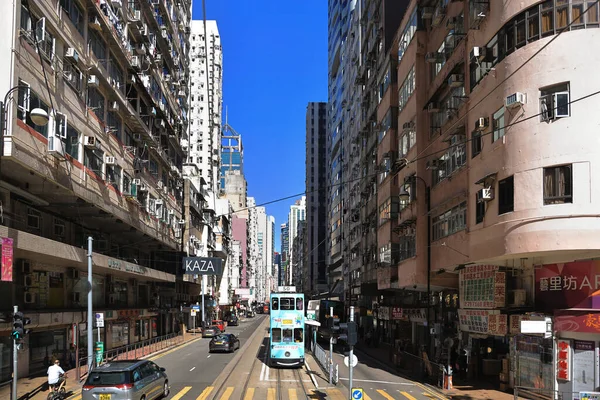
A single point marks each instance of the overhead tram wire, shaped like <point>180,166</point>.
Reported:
<point>459,119</point>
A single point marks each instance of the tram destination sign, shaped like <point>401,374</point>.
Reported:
<point>203,266</point>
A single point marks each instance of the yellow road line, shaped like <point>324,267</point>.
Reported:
<point>270,394</point>
<point>249,394</point>
<point>431,392</point>
<point>205,393</point>
<point>336,394</point>
<point>181,393</point>
<point>384,394</point>
<point>366,396</point>
<point>292,394</point>
<point>408,396</point>
<point>228,393</point>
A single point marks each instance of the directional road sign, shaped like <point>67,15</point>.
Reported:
<point>357,394</point>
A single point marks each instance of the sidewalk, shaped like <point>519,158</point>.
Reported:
<point>461,391</point>
<point>36,388</point>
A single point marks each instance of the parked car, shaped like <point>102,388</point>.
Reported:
<point>211,331</point>
<point>220,324</point>
<point>233,321</point>
<point>126,380</point>
<point>224,342</point>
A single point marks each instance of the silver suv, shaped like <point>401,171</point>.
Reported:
<point>126,380</point>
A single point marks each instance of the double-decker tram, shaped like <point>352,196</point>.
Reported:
<point>286,348</point>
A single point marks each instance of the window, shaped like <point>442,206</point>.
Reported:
<point>113,122</point>
<point>275,305</point>
<point>506,195</point>
<point>45,39</point>
<point>298,335</point>
<point>479,210</point>
<point>75,13</point>
<point>95,102</point>
<point>555,102</point>
<point>27,101</point>
<point>113,176</point>
<point>388,210</point>
<point>406,90</point>
<point>286,303</point>
<point>34,219</point>
<point>558,185</point>
<point>498,124</point>
<point>59,228</point>
<point>72,142</point>
<point>454,158</point>
<point>547,10</point>
<point>72,75</point>
<point>562,14</point>
<point>287,336</point>
<point>450,222</point>
<point>476,143</point>
<point>407,140</point>
<point>94,161</point>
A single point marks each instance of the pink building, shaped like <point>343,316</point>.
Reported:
<point>240,231</point>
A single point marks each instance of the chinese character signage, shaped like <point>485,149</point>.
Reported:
<point>515,322</point>
<point>563,360</point>
<point>482,286</point>
<point>488,322</point>
<point>568,285</point>
<point>577,321</point>
<point>7,260</point>
<point>397,313</point>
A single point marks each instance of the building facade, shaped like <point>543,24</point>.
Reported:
<point>296,215</point>
<point>107,165</point>
<point>315,262</point>
<point>285,253</point>
<point>232,152</point>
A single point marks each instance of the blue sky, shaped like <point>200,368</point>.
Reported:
<point>274,63</point>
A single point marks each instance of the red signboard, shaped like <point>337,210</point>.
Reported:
<point>573,321</point>
<point>568,285</point>
<point>563,360</point>
<point>7,260</point>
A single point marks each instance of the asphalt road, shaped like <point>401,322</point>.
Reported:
<point>192,368</point>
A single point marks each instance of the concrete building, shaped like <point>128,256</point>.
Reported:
<point>252,250</point>
<point>232,152</point>
<point>296,215</point>
<point>315,273</point>
<point>298,268</point>
<point>285,253</point>
<point>111,76</point>
<point>206,87</point>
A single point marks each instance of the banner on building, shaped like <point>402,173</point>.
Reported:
<point>482,287</point>
<point>7,260</point>
<point>487,322</point>
<point>568,285</point>
<point>203,266</point>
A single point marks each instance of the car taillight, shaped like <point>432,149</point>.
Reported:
<point>87,387</point>
<point>125,386</point>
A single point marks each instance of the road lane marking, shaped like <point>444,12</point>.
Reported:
<point>384,394</point>
<point>384,382</point>
<point>228,393</point>
<point>262,372</point>
<point>177,347</point>
<point>205,393</point>
<point>408,396</point>
<point>431,392</point>
<point>193,368</point>
<point>181,393</point>
<point>249,394</point>
<point>336,394</point>
<point>271,394</point>
<point>208,356</point>
<point>292,394</point>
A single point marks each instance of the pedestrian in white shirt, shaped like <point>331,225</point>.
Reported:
<point>54,374</point>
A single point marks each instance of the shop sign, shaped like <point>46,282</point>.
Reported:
<point>568,285</point>
<point>515,322</point>
<point>383,313</point>
<point>563,360</point>
<point>127,267</point>
<point>584,345</point>
<point>482,286</point>
<point>589,395</point>
<point>572,321</point>
<point>488,322</point>
<point>129,313</point>
<point>7,260</point>
<point>397,313</point>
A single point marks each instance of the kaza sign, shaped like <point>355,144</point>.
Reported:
<point>203,266</point>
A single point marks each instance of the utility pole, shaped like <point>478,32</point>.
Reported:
<point>90,315</point>
<point>15,360</point>
<point>351,354</point>
<point>331,348</point>
<point>203,276</point>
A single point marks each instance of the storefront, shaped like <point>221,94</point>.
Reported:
<point>45,347</point>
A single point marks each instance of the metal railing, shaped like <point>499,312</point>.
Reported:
<point>524,392</point>
<point>418,368</point>
<point>326,362</point>
<point>133,351</point>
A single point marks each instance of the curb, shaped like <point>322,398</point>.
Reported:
<point>311,374</point>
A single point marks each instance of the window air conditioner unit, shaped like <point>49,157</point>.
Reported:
<point>159,185</point>
<point>485,194</point>
<point>434,57</point>
<point>68,76</point>
<point>157,58</point>
<point>72,55</point>
<point>433,107</point>
<point>109,160</point>
<point>141,49</point>
<point>481,123</point>
<point>29,298</point>
<point>171,212</point>
<point>143,187</point>
<point>56,147</point>
<point>93,81</point>
<point>181,222</point>
<point>517,99</point>
<point>135,62</point>
<point>519,297</point>
<point>456,80</point>
<point>144,30</point>
<point>91,142</point>
<point>478,53</point>
<point>136,181</point>
<point>427,13</point>
<point>167,78</point>
<point>433,164</point>
<point>113,106</point>
<point>137,15</point>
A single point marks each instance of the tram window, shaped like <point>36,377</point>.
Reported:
<point>287,335</point>
<point>299,303</point>
<point>275,305</point>
<point>276,335</point>
<point>298,335</point>
<point>287,303</point>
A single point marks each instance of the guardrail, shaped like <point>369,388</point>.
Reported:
<point>133,351</point>
<point>326,362</point>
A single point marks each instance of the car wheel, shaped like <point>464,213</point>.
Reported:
<point>165,389</point>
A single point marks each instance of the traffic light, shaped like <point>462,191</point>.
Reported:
<point>333,324</point>
<point>349,333</point>
<point>19,323</point>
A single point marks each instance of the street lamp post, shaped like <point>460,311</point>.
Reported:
<point>405,195</point>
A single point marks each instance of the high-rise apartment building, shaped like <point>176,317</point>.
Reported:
<point>285,253</point>
<point>206,88</point>
<point>315,274</point>
<point>106,163</point>
<point>296,215</point>
<point>232,152</point>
